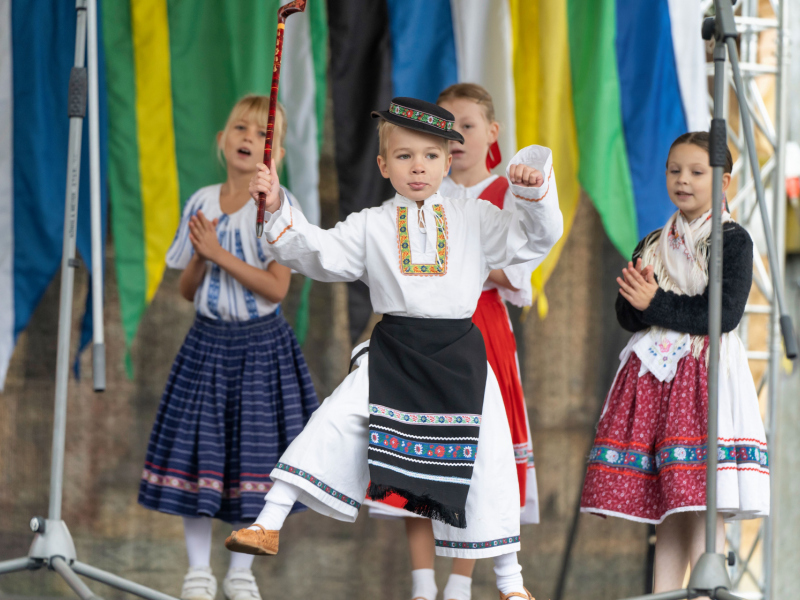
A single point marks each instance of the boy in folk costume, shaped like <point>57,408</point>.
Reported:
<point>470,177</point>
<point>423,408</point>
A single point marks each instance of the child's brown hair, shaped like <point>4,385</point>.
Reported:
<point>255,107</point>
<point>470,91</point>
<point>701,139</point>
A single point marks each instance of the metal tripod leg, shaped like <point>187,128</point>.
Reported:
<point>60,566</point>
<point>722,594</point>
<point>118,582</point>
<point>18,564</point>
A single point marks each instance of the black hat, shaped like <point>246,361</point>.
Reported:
<point>422,116</point>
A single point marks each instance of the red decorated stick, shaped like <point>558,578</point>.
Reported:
<point>283,12</point>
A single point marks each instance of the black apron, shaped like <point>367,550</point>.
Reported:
<point>427,379</point>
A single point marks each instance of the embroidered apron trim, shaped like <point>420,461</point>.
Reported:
<point>424,418</point>
<point>414,448</point>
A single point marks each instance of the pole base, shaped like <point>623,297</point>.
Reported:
<point>53,547</point>
<point>710,573</point>
<point>54,540</point>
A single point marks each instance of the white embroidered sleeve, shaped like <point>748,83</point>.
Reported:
<point>181,250</point>
<point>530,233</point>
<point>337,254</point>
<point>519,275</point>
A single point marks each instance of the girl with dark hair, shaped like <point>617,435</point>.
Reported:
<point>648,459</point>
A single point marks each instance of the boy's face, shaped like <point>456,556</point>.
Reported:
<point>415,163</point>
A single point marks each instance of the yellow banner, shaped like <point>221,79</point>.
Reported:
<point>545,114</point>
<point>158,167</point>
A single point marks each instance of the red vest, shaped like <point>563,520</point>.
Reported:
<point>495,192</point>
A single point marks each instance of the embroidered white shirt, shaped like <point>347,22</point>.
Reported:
<point>220,296</point>
<point>470,237</point>
<point>519,275</point>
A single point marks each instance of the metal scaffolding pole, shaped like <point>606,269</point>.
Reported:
<point>751,576</point>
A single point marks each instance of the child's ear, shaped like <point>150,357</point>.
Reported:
<point>726,181</point>
<point>282,153</point>
<point>219,137</point>
<point>382,167</point>
<point>494,132</point>
<point>449,162</point>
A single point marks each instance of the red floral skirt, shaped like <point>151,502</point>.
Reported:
<point>648,458</point>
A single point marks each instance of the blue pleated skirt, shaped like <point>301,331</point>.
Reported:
<point>237,395</point>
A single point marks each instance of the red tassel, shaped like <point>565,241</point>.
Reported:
<point>493,158</point>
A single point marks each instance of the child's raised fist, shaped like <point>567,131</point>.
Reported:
<point>266,181</point>
<point>525,176</point>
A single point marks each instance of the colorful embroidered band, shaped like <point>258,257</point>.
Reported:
<point>319,483</point>
<point>680,456</point>
<point>425,418</point>
<point>422,117</point>
<point>407,267</point>
<point>465,452</point>
<point>477,545</point>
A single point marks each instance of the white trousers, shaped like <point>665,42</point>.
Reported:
<point>328,463</point>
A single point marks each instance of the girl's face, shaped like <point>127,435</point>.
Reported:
<point>243,145</point>
<point>689,180</point>
<point>478,133</point>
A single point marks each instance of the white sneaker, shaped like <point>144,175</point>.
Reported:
<point>199,584</point>
<point>239,584</point>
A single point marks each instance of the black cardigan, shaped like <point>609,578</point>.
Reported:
<point>689,314</point>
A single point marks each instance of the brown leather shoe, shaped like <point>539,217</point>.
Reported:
<point>516,594</point>
<point>247,541</point>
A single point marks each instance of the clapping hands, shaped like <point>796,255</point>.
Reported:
<point>638,285</point>
<point>203,235</point>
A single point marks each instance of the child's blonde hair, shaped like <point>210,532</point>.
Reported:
<point>385,129</point>
<point>470,91</point>
<point>255,107</point>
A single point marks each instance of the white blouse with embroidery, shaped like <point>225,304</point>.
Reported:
<point>519,275</point>
<point>220,296</point>
<point>436,271</point>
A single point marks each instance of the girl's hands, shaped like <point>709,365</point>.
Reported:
<point>266,181</point>
<point>203,235</point>
<point>638,286</point>
<point>525,176</point>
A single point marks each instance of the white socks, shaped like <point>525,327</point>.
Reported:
<point>280,500</point>
<point>197,532</point>
<point>423,584</point>
<point>509,574</point>
<point>459,587</point>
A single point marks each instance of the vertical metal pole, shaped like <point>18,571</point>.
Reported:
<point>98,346</point>
<point>714,308</point>
<point>779,231</point>
<point>67,281</point>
